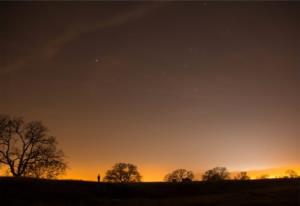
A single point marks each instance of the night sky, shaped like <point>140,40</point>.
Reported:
<point>160,85</point>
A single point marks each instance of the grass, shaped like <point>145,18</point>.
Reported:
<point>34,192</point>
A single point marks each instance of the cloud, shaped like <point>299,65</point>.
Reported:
<point>74,31</point>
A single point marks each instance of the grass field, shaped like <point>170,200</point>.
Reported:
<point>33,192</point>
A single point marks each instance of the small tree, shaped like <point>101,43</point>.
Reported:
<point>216,174</point>
<point>123,173</point>
<point>242,176</point>
<point>291,174</point>
<point>179,175</point>
<point>264,176</point>
<point>27,149</point>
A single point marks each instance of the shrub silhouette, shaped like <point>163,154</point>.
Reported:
<point>242,176</point>
<point>179,175</point>
<point>123,173</point>
<point>216,174</point>
<point>264,176</point>
<point>291,174</point>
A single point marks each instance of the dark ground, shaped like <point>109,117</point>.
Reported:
<point>25,191</point>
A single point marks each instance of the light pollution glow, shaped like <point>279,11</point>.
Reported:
<point>178,85</point>
<point>157,175</point>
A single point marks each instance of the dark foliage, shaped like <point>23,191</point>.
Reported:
<point>291,174</point>
<point>242,176</point>
<point>216,174</point>
<point>123,173</point>
<point>179,175</point>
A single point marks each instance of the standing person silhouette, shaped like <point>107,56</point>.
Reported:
<point>98,177</point>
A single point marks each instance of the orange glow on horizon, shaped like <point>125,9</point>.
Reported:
<point>157,174</point>
<point>272,173</point>
<point>149,174</point>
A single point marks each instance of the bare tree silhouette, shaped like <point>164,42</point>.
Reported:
<point>216,174</point>
<point>179,175</point>
<point>242,176</point>
<point>27,150</point>
<point>291,174</point>
<point>264,176</point>
<point>123,173</point>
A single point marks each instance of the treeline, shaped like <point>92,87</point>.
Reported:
<point>126,172</point>
<point>27,150</point>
